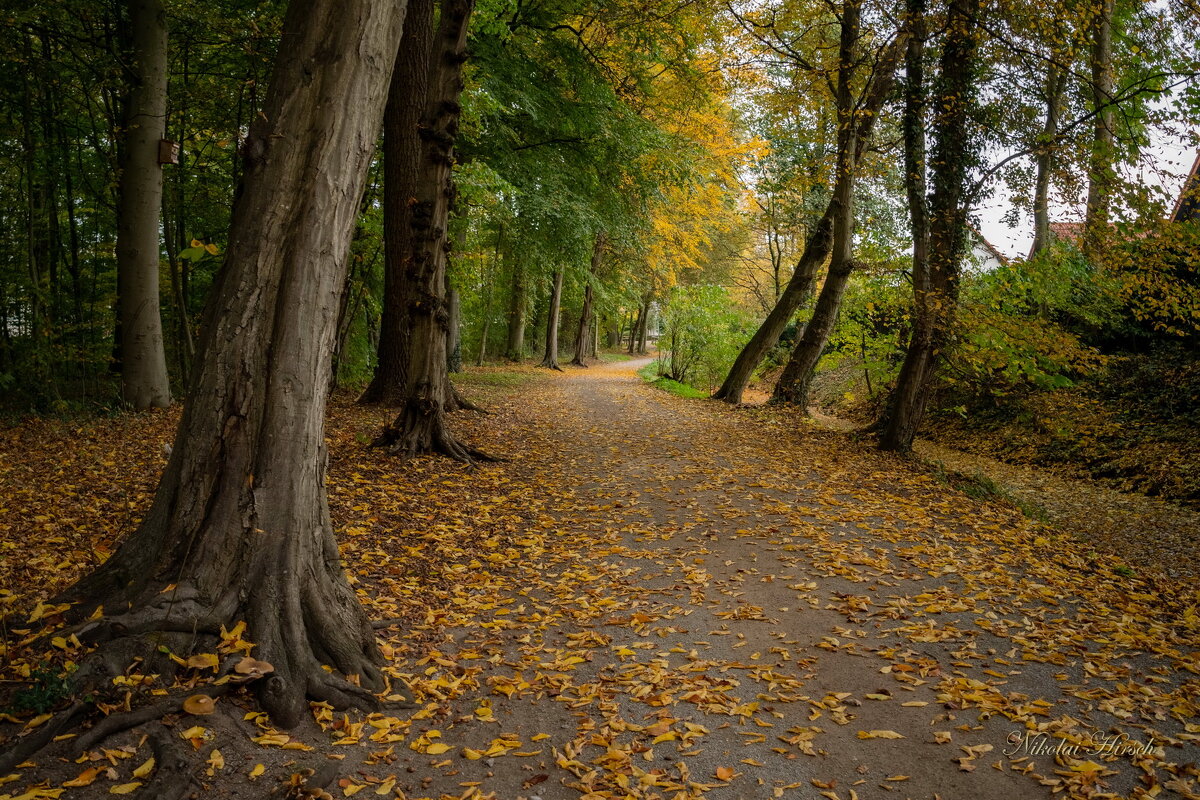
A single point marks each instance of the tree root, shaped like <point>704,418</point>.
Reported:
<point>172,778</point>
<point>455,401</point>
<point>420,429</point>
<point>24,748</point>
<point>116,723</point>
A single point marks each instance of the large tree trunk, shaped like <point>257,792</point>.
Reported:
<point>239,528</point>
<point>515,347</point>
<point>793,384</point>
<point>1045,161</point>
<point>402,175</point>
<point>144,381</point>
<point>550,359</point>
<point>1100,161</point>
<point>936,296</point>
<point>820,239</point>
<point>421,427</point>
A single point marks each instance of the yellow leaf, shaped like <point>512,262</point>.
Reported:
<point>212,249</point>
<point>258,770</point>
<point>145,769</point>
<point>880,735</point>
<point>85,778</point>
<point>474,755</point>
<point>216,760</point>
<point>385,788</point>
<point>124,788</point>
<point>203,661</point>
<point>197,243</point>
<point>437,748</point>
<point>725,773</point>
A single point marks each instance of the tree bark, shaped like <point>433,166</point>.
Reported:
<point>144,381</point>
<point>633,331</point>
<point>239,528</point>
<point>515,348</point>
<point>453,335</point>
<point>819,243</point>
<point>935,298</point>
<point>793,383</point>
<point>583,336</point>
<point>585,341</point>
<point>550,359</point>
<point>1100,162</point>
<point>643,330</point>
<point>1045,161</point>
<point>421,425</point>
<point>407,99</point>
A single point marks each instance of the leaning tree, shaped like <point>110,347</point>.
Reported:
<point>239,528</point>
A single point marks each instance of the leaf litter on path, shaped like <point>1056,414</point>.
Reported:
<point>668,598</point>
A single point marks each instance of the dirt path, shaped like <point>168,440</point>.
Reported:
<point>663,598</point>
<point>718,606</point>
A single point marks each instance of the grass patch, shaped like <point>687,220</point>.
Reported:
<point>495,377</point>
<point>616,357</point>
<point>982,488</point>
<point>649,373</point>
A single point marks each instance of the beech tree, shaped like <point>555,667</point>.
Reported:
<point>239,528</point>
<point>143,362</point>
<point>420,426</point>
<point>406,105</point>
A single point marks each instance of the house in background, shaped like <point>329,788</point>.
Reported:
<point>982,255</point>
<point>1187,207</point>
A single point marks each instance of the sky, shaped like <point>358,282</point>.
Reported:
<point>1171,153</point>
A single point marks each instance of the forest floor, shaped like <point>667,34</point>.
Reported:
<point>657,597</point>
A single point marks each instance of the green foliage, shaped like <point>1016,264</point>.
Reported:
<point>702,334</point>
<point>48,686</point>
<point>1027,325</point>
<point>652,374</point>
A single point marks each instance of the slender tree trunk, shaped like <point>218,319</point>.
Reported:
<point>793,383</point>
<point>643,329</point>
<point>144,381</point>
<point>454,338</point>
<point>402,176</point>
<point>239,528</point>
<point>819,243</point>
<point>421,425</point>
<point>550,359</point>
<point>936,298</point>
<point>633,330</point>
<point>1045,161</point>
<point>515,348</point>
<point>489,290</point>
<point>1100,162</point>
<point>583,337</point>
<point>584,341</point>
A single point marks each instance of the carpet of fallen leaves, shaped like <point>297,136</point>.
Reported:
<point>652,598</point>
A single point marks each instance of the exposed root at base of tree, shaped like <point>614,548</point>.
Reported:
<point>549,365</point>
<point>420,429</point>
<point>456,402</point>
